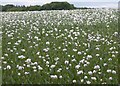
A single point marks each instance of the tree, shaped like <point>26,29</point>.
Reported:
<point>58,6</point>
<point>48,6</point>
<point>6,7</point>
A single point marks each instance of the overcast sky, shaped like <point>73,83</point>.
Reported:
<point>77,3</point>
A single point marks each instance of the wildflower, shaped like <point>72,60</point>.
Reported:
<point>40,68</point>
<point>89,56</point>
<point>66,62</point>
<point>110,78</point>
<point>85,77</point>
<point>21,56</point>
<point>97,67</point>
<point>80,72</point>
<point>108,70</point>
<point>74,81</point>
<point>23,50</point>
<point>26,73</point>
<point>8,67</point>
<point>88,82</point>
<point>79,53</point>
<point>90,73</point>
<point>53,76</point>
<point>60,77</point>
<point>47,42</point>
<point>19,74</point>
<point>113,71</point>
<point>93,78</point>
<point>74,50</point>
<point>77,66</point>
<point>97,55</point>
<point>28,60</point>
<point>52,66</point>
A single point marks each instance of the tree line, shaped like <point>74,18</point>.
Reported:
<point>48,6</point>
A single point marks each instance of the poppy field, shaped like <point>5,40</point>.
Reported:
<point>60,47</point>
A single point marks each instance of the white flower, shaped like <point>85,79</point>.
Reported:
<point>53,76</point>
<point>2,57</point>
<point>82,80</point>
<point>4,62</point>
<point>90,73</point>
<point>34,70</point>
<point>19,41</point>
<point>64,49</point>
<point>19,74</point>
<point>16,43</point>
<point>110,78</point>
<point>77,66</point>
<point>38,53</point>
<point>28,60</point>
<point>74,50</point>
<point>108,70</point>
<point>88,82</point>
<point>74,81</point>
<point>110,59</point>
<point>104,64</point>
<point>56,59</point>
<point>73,60</point>
<point>46,49</point>
<point>97,67</point>
<point>6,54</point>
<point>8,67</point>
<point>85,65</point>
<point>85,77</point>
<point>35,63</point>
<point>94,71</point>
<point>52,66</point>
<point>80,72</point>
<point>40,68</point>
<point>47,42</point>
<point>28,65</point>
<point>47,62</point>
<point>66,62</point>
<point>9,42</point>
<point>34,67</point>
<point>89,56</point>
<point>115,33</point>
<point>26,73</point>
<point>113,71</point>
<point>97,48</point>
<point>23,50</point>
<point>113,55</point>
<point>20,67</point>
<point>60,77</point>
<point>21,56</point>
<point>59,69</point>
<point>93,78</point>
<point>79,53</point>
<point>97,55</point>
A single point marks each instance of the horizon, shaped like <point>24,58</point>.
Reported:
<point>92,4</point>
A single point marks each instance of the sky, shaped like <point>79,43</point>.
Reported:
<point>77,3</point>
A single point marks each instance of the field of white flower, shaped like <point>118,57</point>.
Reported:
<point>60,47</point>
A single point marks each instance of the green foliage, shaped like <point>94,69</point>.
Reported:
<point>49,6</point>
<point>20,8</point>
<point>58,6</point>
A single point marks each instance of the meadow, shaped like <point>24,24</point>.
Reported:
<point>60,47</point>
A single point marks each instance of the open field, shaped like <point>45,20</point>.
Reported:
<point>60,47</point>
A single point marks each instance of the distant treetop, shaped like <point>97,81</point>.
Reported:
<point>48,6</point>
